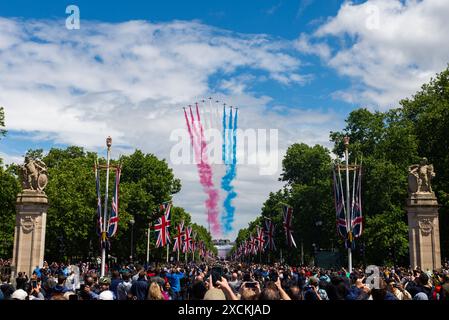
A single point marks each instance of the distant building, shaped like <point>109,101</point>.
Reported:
<point>223,247</point>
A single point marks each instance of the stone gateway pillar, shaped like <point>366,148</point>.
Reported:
<point>29,235</point>
<point>423,225</point>
<point>31,217</point>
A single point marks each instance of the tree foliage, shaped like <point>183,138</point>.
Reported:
<point>387,143</point>
<point>146,182</point>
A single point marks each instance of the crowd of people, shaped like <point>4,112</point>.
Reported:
<point>223,280</point>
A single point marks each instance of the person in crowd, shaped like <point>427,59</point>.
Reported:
<point>21,280</point>
<point>155,292</point>
<point>174,277</point>
<point>6,287</point>
<point>167,291</point>
<point>445,288</point>
<point>311,291</point>
<point>398,290</point>
<point>115,281</point>
<point>124,287</point>
<point>419,284</point>
<point>139,287</point>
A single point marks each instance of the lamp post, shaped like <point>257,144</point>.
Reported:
<point>318,225</point>
<point>132,237</point>
<point>348,205</point>
<point>105,215</point>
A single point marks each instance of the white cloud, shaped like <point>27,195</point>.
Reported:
<point>9,159</point>
<point>389,48</point>
<point>130,80</point>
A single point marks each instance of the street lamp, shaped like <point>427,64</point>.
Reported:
<point>318,225</point>
<point>132,236</point>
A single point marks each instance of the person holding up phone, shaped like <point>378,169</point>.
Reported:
<point>36,293</point>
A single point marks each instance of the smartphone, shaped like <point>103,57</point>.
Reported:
<point>34,284</point>
<point>251,284</point>
<point>73,297</point>
<point>274,276</point>
<point>216,273</point>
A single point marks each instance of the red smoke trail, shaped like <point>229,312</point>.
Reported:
<point>204,169</point>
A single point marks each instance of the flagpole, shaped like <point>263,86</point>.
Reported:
<point>168,247</point>
<point>103,236</point>
<point>302,253</point>
<point>148,244</point>
<point>348,225</point>
<point>178,253</point>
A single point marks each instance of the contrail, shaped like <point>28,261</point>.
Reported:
<point>230,151</point>
<point>204,169</point>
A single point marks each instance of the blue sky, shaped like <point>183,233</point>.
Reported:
<point>296,66</point>
<point>284,18</point>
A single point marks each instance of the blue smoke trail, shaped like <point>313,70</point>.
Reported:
<point>229,143</point>
<point>228,216</point>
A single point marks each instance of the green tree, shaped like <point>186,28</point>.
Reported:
<point>146,182</point>
<point>9,188</point>
<point>428,113</point>
<point>386,146</point>
<point>71,216</point>
<point>307,171</point>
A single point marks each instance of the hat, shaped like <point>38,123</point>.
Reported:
<point>214,294</point>
<point>19,294</point>
<point>421,296</point>
<point>313,281</point>
<point>158,280</point>
<point>58,289</point>
<point>106,295</point>
<point>105,280</point>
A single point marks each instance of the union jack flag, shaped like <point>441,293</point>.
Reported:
<point>252,245</point>
<point>269,234</point>
<point>177,246</point>
<point>247,248</point>
<point>162,226</point>
<point>113,219</point>
<point>201,248</point>
<point>187,240</point>
<point>99,217</point>
<point>260,239</point>
<point>340,206</point>
<point>193,245</point>
<point>356,215</point>
<point>288,216</point>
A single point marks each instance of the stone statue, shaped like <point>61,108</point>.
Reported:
<point>34,175</point>
<point>420,176</point>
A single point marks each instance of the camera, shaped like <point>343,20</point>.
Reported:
<point>73,297</point>
<point>251,284</point>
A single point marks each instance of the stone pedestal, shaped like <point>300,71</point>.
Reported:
<point>424,231</point>
<point>29,236</point>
